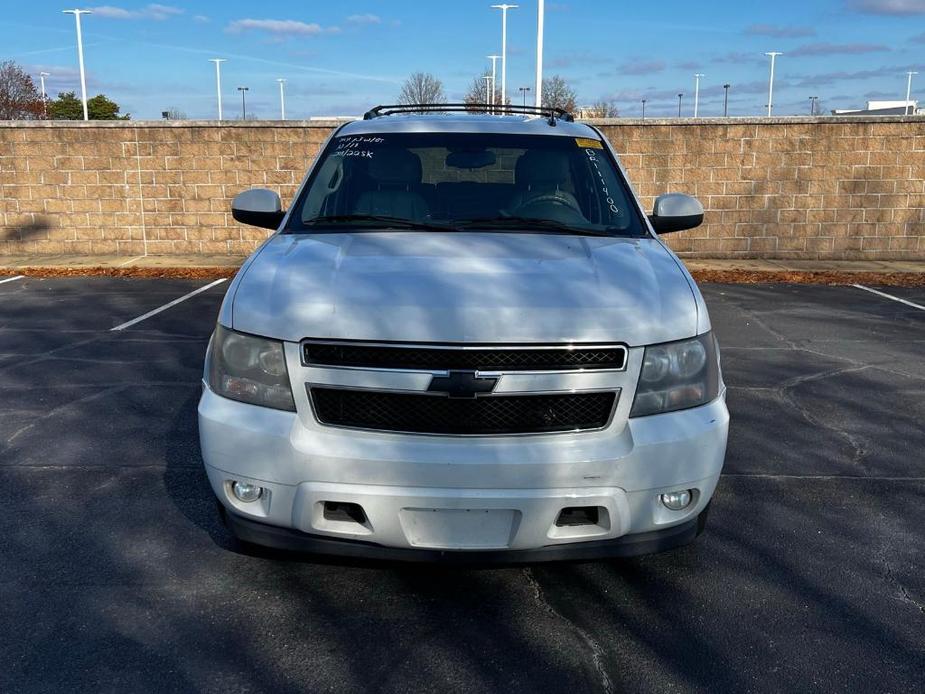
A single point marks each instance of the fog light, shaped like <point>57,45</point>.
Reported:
<point>677,501</point>
<point>246,492</point>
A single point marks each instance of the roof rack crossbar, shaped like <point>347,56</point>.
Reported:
<point>551,113</point>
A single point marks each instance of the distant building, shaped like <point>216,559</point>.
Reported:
<point>883,108</point>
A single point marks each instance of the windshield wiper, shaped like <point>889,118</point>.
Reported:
<point>528,224</point>
<point>375,219</point>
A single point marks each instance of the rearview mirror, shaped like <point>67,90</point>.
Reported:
<point>258,207</point>
<point>676,212</point>
<point>471,159</point>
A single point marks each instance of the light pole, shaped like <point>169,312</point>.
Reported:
<point>218,82</point>
<point>282,98</point>
<point>523,91</point>
<point>494,77</point>
<point>42,76</point>
<point>540,12</point>
<point>697,93</point>
<point>243,91</point>
<point>80,58</point>
<point>504,9</point>
<point>812,105</point>
<point>680,96</point>
<point>644,108</point>
<point>726,88</point>
<point>488,88</point>
<point>909,91</point>
<point>773,56</point>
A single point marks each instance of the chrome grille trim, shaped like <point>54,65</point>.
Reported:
<point>382,377</point>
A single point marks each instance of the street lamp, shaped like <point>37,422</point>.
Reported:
<point>523,91</point>
<point>697,93</point>
<point>218,82</point>
<point>494,76</point>
<point>773,56</point>
<point>540,12</point>
<point>680,96</point>
<point>488,88</point>
<point>812,105</point>
<point>243,91</point>
<point>282,98</point>
<point>504,9</point>
<point>644,108</point>
<point>80,58</point>
<point>42,76</point>
<point>726,88</point>
<point>909,91</point>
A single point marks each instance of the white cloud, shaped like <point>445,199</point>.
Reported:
<point>813,49</point>
<point>364,19</point>
<point>202,19</point>
<point>889,7</point>
<point>280,27</point>
<point>779,31</point>
<point>153,11</point>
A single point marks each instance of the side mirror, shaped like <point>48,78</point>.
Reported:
<point>258,207</point>
<point>676,212</point>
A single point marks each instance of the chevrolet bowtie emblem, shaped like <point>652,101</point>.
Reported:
<point>462,384</point>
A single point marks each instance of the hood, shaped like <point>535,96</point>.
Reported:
<point>464,287</point>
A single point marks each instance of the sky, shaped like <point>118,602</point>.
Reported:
<point>340,57</point>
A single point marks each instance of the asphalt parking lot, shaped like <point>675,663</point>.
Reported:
<point>117,576</point>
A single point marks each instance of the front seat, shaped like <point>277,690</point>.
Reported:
<point>539,173</point>
<point>395,173</point>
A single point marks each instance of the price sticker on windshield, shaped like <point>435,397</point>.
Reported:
<point>587,143</point>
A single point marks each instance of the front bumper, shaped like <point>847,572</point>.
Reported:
<point>627,546</point>
<point>432,496</point>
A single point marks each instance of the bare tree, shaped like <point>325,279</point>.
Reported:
<point>19,99</point>
<point>174,113</point>
<point>422,88</point>
<point>478,91</point>
<point>604,108</point>
<point>558,94</point>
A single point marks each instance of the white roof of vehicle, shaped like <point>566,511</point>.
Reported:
<point>467,123</point>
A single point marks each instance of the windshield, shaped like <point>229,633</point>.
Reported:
<point>455,181</point>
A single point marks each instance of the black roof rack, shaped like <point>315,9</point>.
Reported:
<point>550,113</point>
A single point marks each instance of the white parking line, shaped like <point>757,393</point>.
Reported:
<point>889,296</point>
<point>173,303</point>
<point>12,279</point>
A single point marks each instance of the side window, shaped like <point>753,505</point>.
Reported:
<point>609,204</point>
<point>329,180</point>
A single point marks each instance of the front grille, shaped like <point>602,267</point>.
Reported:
<point>434,414</point>
<point>479,358</point>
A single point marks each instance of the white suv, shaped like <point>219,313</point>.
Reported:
<point>465,341</point>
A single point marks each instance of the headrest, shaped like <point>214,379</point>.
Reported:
<point>538,167</point>
<point>396,167</point>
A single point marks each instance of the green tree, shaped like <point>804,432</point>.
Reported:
<point>68,107</point>
<point>101,107</point>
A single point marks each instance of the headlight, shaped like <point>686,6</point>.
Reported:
<point>676,376</point>
<point>249,369</point>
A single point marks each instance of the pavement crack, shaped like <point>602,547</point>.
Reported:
<point>902,592</point>
<point>597,653</point>
<point>885,558</point>
<point>784,391</point>
<point>55,411</point>
<point>44,356</point>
